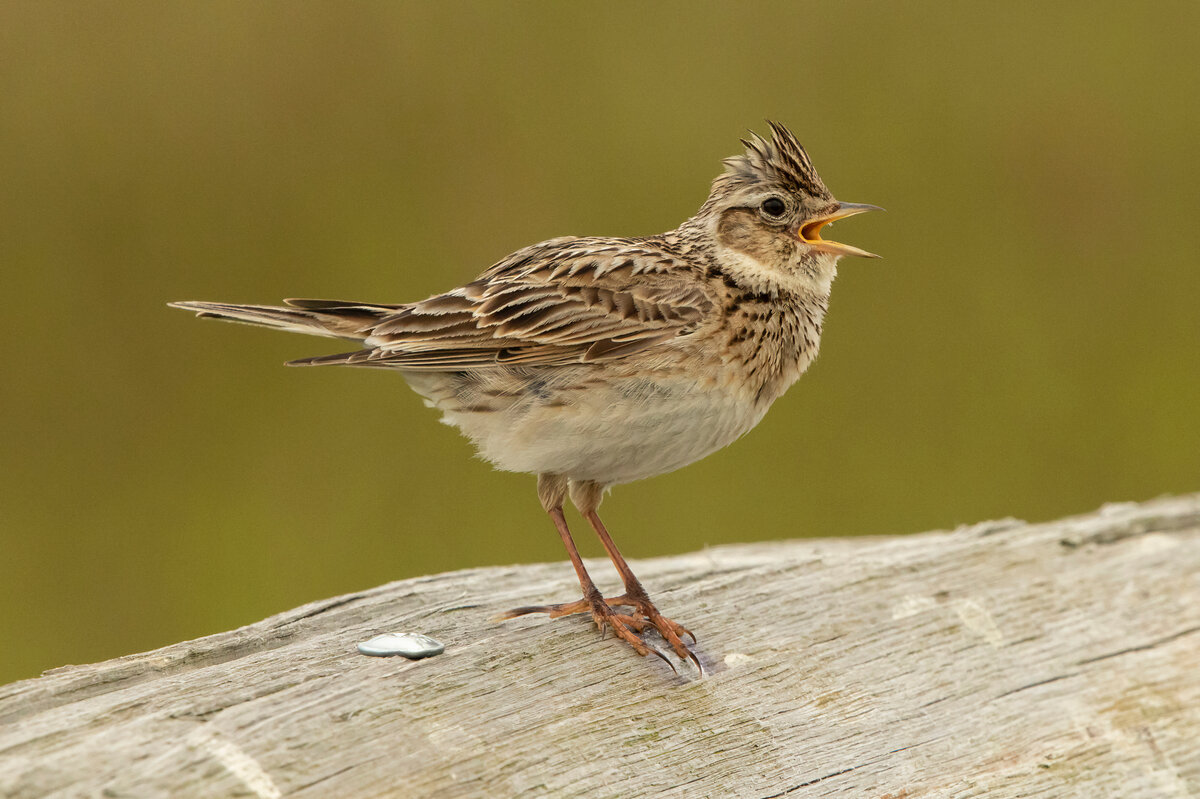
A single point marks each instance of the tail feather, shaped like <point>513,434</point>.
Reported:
<point>332,318</point>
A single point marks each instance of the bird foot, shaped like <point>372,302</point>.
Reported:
<point>623,625</point>
<point>647,613</point>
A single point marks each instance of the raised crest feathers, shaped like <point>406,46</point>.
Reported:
<point>780,160</point>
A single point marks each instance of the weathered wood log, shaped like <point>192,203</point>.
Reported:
<point>998,660</point>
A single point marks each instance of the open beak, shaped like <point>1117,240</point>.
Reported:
<point>810,231</point>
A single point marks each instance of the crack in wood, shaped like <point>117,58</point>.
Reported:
<point>795,788</point>
<point>1141,647</point>
<point>327,777</point>
<point>322,608</point>
<point>871,762</point>
<point>1046,681</point>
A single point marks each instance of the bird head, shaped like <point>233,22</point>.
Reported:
<point>767,210</point>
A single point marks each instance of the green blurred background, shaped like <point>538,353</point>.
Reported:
<point>1030,346</point>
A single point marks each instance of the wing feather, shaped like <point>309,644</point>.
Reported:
<point>559,302</point>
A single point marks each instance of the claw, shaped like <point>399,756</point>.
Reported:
<point>554,611</point>
<point>623,625</point>
<point>522,611</point>
<point>647,615</point>
<point>666,660</point>
<point>578,606</point>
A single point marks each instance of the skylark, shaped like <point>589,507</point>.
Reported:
<point>596,361</point>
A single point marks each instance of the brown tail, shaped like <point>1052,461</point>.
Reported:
<point>333,318</point>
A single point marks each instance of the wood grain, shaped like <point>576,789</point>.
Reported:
<point>998,660</point>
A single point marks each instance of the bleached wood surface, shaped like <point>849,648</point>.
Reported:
<point>998,660</point>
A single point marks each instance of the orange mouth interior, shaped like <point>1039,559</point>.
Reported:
<point>810,233</point>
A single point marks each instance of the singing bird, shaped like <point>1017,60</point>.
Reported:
<point>595,361</point>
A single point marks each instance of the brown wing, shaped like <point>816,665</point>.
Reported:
<point>563,301</point>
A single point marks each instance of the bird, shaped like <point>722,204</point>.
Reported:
<point>595,361</point>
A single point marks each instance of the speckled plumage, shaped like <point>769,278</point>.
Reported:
<point>596,361</point>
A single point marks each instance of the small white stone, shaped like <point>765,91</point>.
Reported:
<point>411,645</point>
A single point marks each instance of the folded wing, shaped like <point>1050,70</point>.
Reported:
<point>563,301</point>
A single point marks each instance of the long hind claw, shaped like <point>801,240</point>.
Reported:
<point>623,625</point>
<point>554,611</point>
<point>578,606</point>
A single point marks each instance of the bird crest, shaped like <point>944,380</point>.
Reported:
<point>781,160</point>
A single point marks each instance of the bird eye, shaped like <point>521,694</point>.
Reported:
<point>774,207</point>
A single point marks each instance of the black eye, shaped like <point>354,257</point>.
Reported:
<point>773,206</point>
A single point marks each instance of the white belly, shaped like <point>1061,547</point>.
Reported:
<point>586,429</point>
